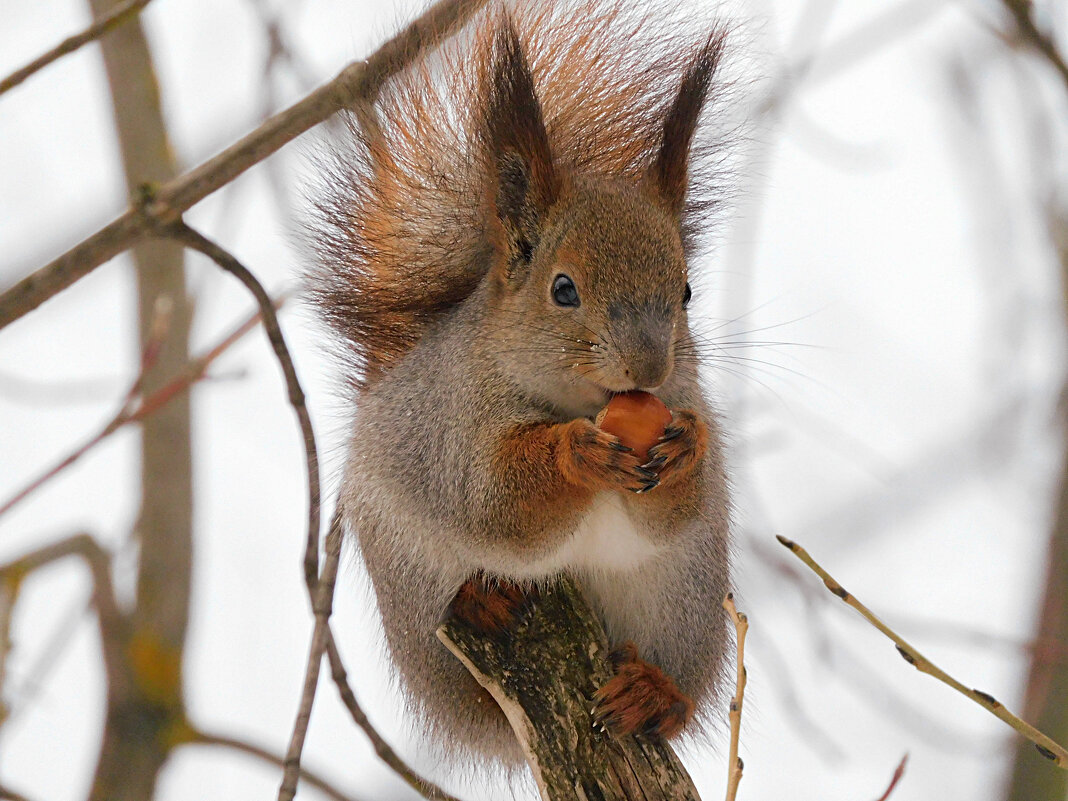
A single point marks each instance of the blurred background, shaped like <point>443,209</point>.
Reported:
<point>888,300</point>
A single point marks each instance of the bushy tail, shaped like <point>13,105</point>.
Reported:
<point>400,229</point>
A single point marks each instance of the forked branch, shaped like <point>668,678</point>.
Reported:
<point>360,82</point>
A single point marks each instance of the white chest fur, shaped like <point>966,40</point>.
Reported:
<point>606,539</point>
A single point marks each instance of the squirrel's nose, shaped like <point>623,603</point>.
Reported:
<point>647,357</point>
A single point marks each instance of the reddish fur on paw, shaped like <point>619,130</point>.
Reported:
<point>489,606</point>
<point>681,449</point>
<point>595,459</point>
<point>641,698</point>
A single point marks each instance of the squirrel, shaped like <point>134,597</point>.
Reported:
<point>503,246</point>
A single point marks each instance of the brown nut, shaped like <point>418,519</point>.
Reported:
<point>637,418</point>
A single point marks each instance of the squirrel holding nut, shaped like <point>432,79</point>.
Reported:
<point>504,250</point>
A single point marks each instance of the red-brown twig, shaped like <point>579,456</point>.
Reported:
<point>136,407</point>
<point>98,28</point>
<point>898,773</point>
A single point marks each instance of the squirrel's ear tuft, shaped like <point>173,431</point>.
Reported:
<point>523,182</point>
<point>669,172</point>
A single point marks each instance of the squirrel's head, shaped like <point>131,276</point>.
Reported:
<point>589,284</point>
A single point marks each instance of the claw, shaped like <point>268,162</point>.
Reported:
<point>648,475</point>
<point>653,484</point>
<point>655,462</point>
<point>672,432</point>
<point>619,446</point>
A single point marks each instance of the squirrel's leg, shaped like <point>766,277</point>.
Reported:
<point>490,605</point>
<point>641,697</point>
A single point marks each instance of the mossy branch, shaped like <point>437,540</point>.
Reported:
<point>544,674</point>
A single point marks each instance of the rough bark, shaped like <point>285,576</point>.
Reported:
<point>544,674</point>
<point>142,713</point>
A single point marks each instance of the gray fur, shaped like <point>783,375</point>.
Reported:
<point>421,502</point>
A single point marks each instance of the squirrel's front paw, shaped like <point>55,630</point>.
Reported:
<point>489,605</point>
<point>680,449</point>
<point>641,698</point>
<point>590,457</point>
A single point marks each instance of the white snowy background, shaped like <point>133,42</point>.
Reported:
<point>889,237</point>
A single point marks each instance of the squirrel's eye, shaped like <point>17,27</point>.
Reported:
<point>686,295</point>
<point>564,291</point>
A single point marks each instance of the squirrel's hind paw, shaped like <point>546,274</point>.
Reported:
<point>641,698</point>
<point>489,605</point>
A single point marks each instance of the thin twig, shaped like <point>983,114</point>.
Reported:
<point>734,762</point>
<point>1051,750</point>
<point>197,737</point>
<point>337,671</point>
<point>898,773</point>
<point>123,13</point>
<point>135,408</point>
<point>10,795</point>
<point>181,232</point>
<point>9,589</point>
<point>359,82</point>
<point>324,640</point>
<point>47,660</point>
<point>1022,12</point>
<point>96,558</point>
<point>323,606</point>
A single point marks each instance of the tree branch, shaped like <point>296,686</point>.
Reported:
<point>734,762</point>
<point>1023,16</point>
<point>144,691</point>
<point>544,675</point>
<point>899,771</point>
<point>198,737</point>
<point>182,233</point>
<point>1049,749</point>
<point>359,82</point>
<point>382,748</point>
<point>136,408</point>
<point>113,19</point>
<point>323,607</point>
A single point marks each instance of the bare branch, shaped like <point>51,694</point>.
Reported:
<point>120,14</point>
<point>548,707</point>
<point>734,762</point>
<point>1051,750</point>
<point>135,408</point>
<point>10,795</point>
<point>359,82</point>
<point>181,232</point>
<point>382,748</point>
<point>323,606</point>
<point>197,737</point>
<point>1022,12</point>
<point>898,773</point>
